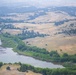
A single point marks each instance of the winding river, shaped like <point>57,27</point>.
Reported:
<point>7,55</point>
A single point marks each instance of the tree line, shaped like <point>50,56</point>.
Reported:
<point>30,34</point>
<point>47,71</point>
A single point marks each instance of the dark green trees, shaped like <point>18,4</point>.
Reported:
<point>1,64</point>
<point>46,71</point>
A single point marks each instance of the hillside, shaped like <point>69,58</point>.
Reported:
<point>56,24</point>
<point>14,71</point>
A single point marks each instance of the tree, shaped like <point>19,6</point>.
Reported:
<point>23,68</point>
<point>54,54</point>
<point>65,55</point>
<point>21,46</point>
<point>1,64</point>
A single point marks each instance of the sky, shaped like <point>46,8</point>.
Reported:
<point>41,3</point>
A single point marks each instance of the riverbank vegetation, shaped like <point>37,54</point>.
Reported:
<point>44,71</point>
<point>33,51</point>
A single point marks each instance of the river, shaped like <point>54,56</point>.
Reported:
<point>7,55</point>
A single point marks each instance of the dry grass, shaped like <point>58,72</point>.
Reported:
<point>12,31</point>
<point>51,17</point>
<point>60,43</point>
<point>32,73</point>
<point>42,28</point>
<point>14,71</point>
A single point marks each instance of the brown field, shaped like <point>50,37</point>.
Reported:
<point>51,17</point>
<point>42,28</point>
<point>12,31</point>
<point>60,43</point>
<point>14,71</point>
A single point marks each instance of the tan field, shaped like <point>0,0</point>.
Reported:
<point>61,44</point>
<point>42,28</point>
<point>12,31</point>
<point>51,17</point>
<point>14,71</point>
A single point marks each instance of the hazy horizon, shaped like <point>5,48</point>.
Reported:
<point>39,3</point>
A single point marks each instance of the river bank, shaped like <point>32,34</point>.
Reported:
<point>11,57</point>
<point>37,53</point>
<point>24,69</point>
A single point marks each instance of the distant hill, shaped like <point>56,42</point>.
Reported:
<point>70,10</point>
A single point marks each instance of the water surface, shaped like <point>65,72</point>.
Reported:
<point>7,55</point>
